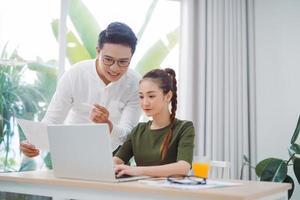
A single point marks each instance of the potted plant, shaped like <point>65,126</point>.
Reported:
<point>17,99</point>
<point>276,169</point>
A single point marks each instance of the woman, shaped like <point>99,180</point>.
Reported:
<point>162,146</point>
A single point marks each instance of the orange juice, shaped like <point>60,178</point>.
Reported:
<point>201,169</point>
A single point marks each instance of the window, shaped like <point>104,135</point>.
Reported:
<point>156,23</point>
<point>28,63</point>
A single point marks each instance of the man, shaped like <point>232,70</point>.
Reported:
<point>103,90</point>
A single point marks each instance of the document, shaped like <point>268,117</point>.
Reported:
<point>162,182</point>
<point>35,132</point>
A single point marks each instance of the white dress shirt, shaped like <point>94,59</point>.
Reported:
<point>81,87</point>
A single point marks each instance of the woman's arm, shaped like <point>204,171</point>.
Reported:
<point>117,161</point>
<point>180,167</point>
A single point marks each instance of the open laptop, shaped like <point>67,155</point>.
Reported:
<point>83,151</point>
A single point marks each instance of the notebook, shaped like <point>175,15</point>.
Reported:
<point>83,151</point>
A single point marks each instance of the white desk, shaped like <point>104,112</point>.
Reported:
<point>45,184</point>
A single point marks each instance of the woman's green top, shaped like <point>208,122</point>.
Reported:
<point>144,144</point>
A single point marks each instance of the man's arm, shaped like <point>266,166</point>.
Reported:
<point>61,101</point>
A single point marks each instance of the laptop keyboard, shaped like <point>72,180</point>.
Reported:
<point>123,176</point>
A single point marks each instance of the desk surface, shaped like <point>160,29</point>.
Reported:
<point>248,189</point>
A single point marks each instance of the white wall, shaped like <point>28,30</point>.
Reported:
<point>277,32</point>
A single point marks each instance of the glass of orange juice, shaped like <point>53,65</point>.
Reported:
<point>201,168</point>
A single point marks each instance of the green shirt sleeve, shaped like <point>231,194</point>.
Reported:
<point>186,143</point>
<point>125,152</point>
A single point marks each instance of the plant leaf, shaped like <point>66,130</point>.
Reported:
<point>275,171</point>
<point>43,68</point>
<point>291,152</point>
<point>4,53</point>
<point>296,133</point>
<point>48,161</point>
<point>75,50</point>
<point>295,148</point>
<point>289,179</point>
<point>147,19</point>
<point>28,165</point>
<point>157,53</point>
<point>262,165</point>
<point>46,77</point>
<point>85,24</point>
<point>297,168</point>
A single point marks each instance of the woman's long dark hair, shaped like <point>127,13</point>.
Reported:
<point>166,80</point>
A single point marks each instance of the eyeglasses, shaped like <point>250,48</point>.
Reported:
<point>110,61</point>
<point>186,180</point>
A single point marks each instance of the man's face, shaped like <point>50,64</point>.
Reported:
<point>113,61</point>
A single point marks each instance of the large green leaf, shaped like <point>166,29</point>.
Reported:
<point>157,53</point>
<point>43,68</point>
<point>296,133</point>
<point>85,24</point>
<point>147,19</point>
<point>75,50</point>
<point>297,168</point>
<point>275,171</point>
<point>262,165</point>
<point>289,179</point>
<point>46,77</point>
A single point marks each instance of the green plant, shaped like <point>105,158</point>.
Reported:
<point>276,169</point>
<point>17,99</point>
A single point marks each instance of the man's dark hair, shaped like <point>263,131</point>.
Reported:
<point>118,33</point>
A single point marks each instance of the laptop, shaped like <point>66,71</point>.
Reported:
<point>83,151</point>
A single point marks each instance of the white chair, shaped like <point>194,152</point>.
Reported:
<point>219,170</point>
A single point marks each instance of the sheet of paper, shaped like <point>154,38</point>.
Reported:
<point>35,132</point>
<point>210,184</point>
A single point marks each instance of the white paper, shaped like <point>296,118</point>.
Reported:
<point>35,132</point>
<point>210,184</point>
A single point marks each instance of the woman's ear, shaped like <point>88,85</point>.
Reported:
<point>169,96</point>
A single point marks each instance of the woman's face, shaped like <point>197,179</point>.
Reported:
<point>113,61</point>
<point>152,99</point>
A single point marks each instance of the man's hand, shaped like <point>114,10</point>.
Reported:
<point>100,114</point>
<point>29,149</point>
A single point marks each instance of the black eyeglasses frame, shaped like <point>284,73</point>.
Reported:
<point>192,178</point>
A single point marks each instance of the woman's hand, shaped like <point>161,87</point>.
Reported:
<point>128,170</point>
<point>29,149</point>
